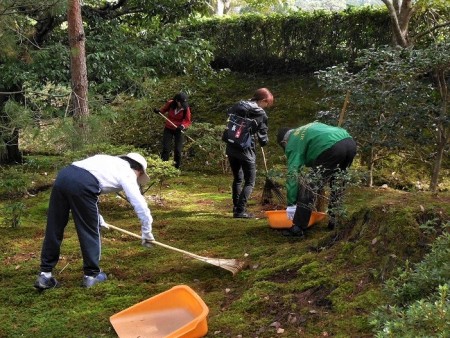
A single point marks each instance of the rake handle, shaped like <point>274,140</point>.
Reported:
<point>173,124</point>
<point>154,242</point>
<point>344,108</point>
<point>264,159</point>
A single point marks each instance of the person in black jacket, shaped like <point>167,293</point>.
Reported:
<point>243,161</point>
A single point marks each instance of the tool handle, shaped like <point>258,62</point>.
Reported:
<point>173,124</point>
<point>344,108</point>
<point>264,159</point>
<point>153,242</point>
<point>164,116</point>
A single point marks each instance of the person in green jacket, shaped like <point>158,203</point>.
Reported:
<point>327,150</point>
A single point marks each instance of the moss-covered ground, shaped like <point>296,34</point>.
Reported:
<point>326,284</point>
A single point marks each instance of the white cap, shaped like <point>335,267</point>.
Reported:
<point>144,178</point>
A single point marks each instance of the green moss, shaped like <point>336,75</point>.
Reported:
<point>340,294</point>
<point>329,280</point>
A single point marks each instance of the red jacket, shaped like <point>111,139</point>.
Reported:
<point>182,117</point>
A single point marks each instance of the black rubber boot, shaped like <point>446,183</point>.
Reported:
<point>295,231</point>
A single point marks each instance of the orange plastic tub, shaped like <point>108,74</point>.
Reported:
<point>176,313</point>
<point>278,218</point>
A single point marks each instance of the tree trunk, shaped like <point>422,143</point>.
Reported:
<point>437,167</point>
<point>10,137</point>
<point>443,134</point>
<point>371,164</point>
<point>400,12</point>
<point>79,99</point>
<point>223,7</point>
<point>220,7</point>
<point>12,155</point>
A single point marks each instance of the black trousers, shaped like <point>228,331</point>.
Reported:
<point>244,175</point>
<point>75,190</point>
<point>325,169</point>
<point>169,136</point>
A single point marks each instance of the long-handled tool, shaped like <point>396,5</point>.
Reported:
<point>173,124</point>
<point>270,187</point>
<point>344,108</point>
<point>232,265</point>
<point>321,199</point>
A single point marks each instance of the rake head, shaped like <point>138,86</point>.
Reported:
<point>271,190</point>
<point>232,265</point>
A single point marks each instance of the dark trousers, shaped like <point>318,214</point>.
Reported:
<point>244,174</point>
<point>169,136</point>
<point>75,190</point>
<point>325,169</point>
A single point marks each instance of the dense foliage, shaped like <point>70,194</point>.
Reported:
<point>398,104</point>
<point>419,297</point>
<point>138,57</point>
<point>298,42</point>
<point>126,43</point>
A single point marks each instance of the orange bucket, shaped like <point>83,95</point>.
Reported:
<point>176,313</point>
<point>278,218</point>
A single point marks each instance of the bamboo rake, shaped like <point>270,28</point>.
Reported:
<point>173,124</point>
<point>270,186</point>
<point>232,265</point>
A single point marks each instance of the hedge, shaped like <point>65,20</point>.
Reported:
<point>299,42</point>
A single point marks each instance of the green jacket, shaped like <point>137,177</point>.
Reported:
<point>304,145</point>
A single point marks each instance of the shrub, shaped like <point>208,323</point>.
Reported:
<point>420,302</point>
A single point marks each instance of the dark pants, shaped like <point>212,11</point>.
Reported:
<point>244,174</point>
<point>75,190</point>
<point>325,169</point>
<point>169,136</point>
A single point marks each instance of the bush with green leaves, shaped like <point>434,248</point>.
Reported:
<point>419,298</point>
<point>12,214</point>
<point>160,171</point>
<point>207,153</point>
<point>398,104</point>
<point>422,280</point>
<point>423,318</point>
<point>277,43</point>
<point>13,181</point>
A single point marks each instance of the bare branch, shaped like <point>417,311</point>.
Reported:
<point>399,38</point>
<point>432,29</point>
<point>33,92</point>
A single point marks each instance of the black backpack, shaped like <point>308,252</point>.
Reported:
<point>239,131</point>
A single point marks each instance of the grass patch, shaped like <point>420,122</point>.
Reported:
<point>327,283</point>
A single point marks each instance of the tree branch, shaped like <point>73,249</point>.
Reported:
<point>432,29</point>
<point>399,38</point>
<point>406,12</point>
<point>119,4</point>
<point>110,11</point>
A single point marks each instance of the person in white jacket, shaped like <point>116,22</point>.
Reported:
<point>76,189</point>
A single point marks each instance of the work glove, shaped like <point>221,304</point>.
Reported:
<point>156,110</point>
<point>180,127</point>
<point>103,224</point>
<point>290,211</point>
<point>147,238</point>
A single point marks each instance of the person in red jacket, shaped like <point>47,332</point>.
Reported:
<point>178,120</point>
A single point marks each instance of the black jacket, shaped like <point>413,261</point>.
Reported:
<point>250,110</point>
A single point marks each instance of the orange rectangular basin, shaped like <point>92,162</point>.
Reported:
<point>278,218</point>
<point>176,313</point>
